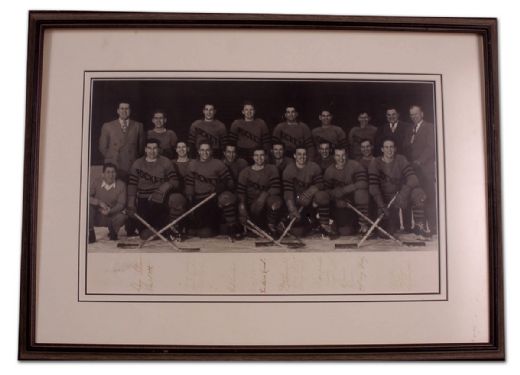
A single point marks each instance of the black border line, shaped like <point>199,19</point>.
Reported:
<point>159,78</point>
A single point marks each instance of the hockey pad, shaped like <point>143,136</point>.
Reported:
<point>226,199</point>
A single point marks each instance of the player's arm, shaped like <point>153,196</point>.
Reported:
<point>121,200</point>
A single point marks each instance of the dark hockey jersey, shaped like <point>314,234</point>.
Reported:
<point>389,178</point>
<point>213,131</point>
<point>145,176</point>
<point>235,167</point>
<point>182,170</point>
<point>352,174</point>
<point>251,183</point>
<point>294,135</point>
<point>249,134</point>
<point>332,134</point>
<point>206,177</point>
<point>297,180</point>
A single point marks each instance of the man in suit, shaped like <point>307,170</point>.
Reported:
<point>122,141</point>
<point>394,129</point>
<point>422,156</point>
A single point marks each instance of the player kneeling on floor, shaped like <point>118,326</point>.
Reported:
<point>206,176</point>
<point>304,195</point>
<point>152,190</point>
<point>346,182</point>
<point>259,190</point>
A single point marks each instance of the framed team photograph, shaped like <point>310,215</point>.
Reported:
<point>222,186</point>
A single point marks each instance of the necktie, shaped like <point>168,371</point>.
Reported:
<point>124,127</point>
<point>414,132</point>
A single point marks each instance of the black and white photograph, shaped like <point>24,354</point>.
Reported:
<point>223,186</point>
<point>260,181</point>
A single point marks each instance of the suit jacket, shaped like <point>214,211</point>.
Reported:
<point>120,148</point>
<point>400,137</point>
<point>422,149</point>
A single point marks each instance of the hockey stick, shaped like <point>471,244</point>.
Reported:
<point>143,221</point>
<point>262,233</point>
<point>371,222</point>
<point>202,202</point>
<point>374,224</point>
<point>288,228</point>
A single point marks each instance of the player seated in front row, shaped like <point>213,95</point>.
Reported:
<point>304,194</point>
<point>106,203</point>
<point>207,175</point>
<point>153,191</point>
<point>391,175</point>
<point>259,190</point>
<point>347,184</point>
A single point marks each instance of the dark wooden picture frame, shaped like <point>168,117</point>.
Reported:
<point>40,22</point>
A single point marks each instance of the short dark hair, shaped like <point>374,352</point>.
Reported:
<point>367,140</point>
<point>109,165</point>
<point>160,110</point>
<point>204,141</point>
<point>257,148</point>
<point>248,102</point>
<point>389,139</point>
<point>152,140</point>
<point>277,142</point>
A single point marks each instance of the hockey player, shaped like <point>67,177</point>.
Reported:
<point>328,133</point>
<point>278,158</point>
<point>166,137</point>
<point>249,133</point>
<point>325,158</point>
<point>303,188</point>
<point>153,190</point>
<point>391,174</point>
<point>106,203</point>
<point>359,133</point>
<point>209,129</point>
<point>207,175</point>
<point>293,133</point>
<point>367,149</point>
<point>234,164</point>
<point>259,193</point>
<point>347,181</point>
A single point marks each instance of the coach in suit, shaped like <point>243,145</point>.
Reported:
<point>422,156</point>
<point>122,141</point>
<point>394,129</point>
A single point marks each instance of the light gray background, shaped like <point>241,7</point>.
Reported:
<point>14,36</point>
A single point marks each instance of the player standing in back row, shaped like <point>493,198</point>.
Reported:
<point>210,130</point>
<point>249,133</point>
<point>293,133</point>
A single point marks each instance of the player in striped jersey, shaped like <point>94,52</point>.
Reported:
<point>390,174</point>
<point>359,133</point>
<point>347,181</point>
<point>234,164</point>
<point>166,137</point>
<point>207,175</point>
<point>259,192</point>
<point>208,129</point>
<point>278,158</point>
<point>303,187</point>
<point>325,159</point>
<point>249,133</point>
<point>328,133</point>
<point>153,189</point>
<point>293,133</point>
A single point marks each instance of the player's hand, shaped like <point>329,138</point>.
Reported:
<point>295,214</point>
<point>305,199</point>
<point>242,214</point>
<point>383,211</point>
<point>337,192</point>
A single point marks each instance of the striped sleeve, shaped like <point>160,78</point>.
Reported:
<point>189,181</point>
<point>242,184</point>
<point>407,172</point>
<point>275,186</point>
<point>225,178</point>
<point>359,176</point>
<point>317,177</point>
<point>233,133</point>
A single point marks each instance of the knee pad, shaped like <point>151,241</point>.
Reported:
<point>361,196</point>
<point>226,198</point>
<point>418,197</point>
<point>274,202</point>
<point>177,201</point>
<point>321,198</point>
